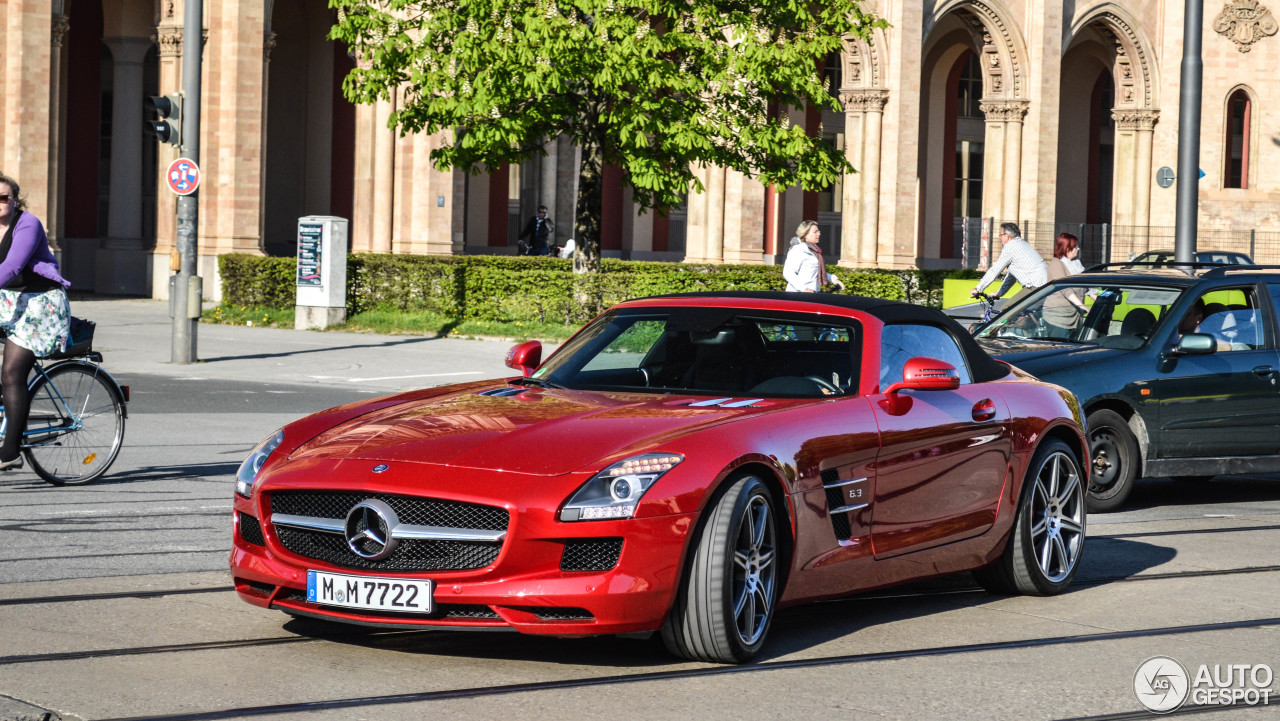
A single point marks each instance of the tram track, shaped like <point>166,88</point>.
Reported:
<point>699,673</point>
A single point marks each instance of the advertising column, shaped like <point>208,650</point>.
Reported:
<point>322,272</point>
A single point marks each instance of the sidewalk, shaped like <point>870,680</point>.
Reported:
<point>135,336</point>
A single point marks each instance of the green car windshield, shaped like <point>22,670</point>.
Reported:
<point>1109,315</point>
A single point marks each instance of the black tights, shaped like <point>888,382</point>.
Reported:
<point>18,362</point>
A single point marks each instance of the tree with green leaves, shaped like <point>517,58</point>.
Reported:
<point>653,88</point>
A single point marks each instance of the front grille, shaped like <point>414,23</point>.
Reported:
<point>410,555</point>
<point>591,554</point>
<point>410,509</point>
<point>251,530</point>
<point>442,610</point>
<point>835,499</point>
<point>555,613</point>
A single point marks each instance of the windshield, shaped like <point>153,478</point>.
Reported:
<point>719,351</point>
<point>1110,315</point>
<point>1163,257</point>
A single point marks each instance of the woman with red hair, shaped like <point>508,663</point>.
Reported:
<point>1065,310</point>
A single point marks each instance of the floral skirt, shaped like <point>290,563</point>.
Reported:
<point>39,322</point>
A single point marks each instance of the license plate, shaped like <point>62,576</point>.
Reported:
<point>398,595</point>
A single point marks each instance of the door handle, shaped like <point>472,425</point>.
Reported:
<point>1264,371</point>
<point>984,410</point>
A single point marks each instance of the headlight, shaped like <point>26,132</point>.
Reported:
<point>248,472</point>
<point>615,491</point>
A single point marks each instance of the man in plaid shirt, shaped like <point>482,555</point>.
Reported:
<point>1024,263</point>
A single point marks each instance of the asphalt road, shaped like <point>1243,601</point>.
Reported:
<point>115,603</point>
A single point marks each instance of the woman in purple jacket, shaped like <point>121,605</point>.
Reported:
<point>34,312</point>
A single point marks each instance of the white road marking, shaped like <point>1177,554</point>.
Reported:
<point>392,378</point>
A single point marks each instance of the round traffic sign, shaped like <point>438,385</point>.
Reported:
<point>183,176</point>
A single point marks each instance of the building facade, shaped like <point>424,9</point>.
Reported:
<point>1057,113</point>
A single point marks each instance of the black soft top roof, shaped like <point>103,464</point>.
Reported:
<point>982,366</point>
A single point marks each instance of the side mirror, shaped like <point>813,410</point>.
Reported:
<point>926,374</point>
<point>525,357</point>
<point>1195,344</point>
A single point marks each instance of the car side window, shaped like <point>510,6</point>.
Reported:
<point>901,342</point>
<point>1231,315</point>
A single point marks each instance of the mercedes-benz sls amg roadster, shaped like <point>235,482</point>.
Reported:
<point>684,465</point>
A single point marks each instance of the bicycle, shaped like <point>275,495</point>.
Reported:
<point>989,310</point>
<point>76,424</point>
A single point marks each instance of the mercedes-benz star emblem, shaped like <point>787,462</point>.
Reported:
<point>369,527</point>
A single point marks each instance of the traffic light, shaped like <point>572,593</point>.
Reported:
<point>167,127</point>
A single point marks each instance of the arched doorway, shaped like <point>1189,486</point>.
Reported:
<point>1106,124</point>
<point>308,161</point>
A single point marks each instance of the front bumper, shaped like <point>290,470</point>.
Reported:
<point>524,589</point>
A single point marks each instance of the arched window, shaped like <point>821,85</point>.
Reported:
<point>1239,108</point>
<point>831,74</point>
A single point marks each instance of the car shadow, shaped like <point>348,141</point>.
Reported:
<point>413,340</point>
<point>1221,490</point>
<point>795,629</point>
<point>27,480</point>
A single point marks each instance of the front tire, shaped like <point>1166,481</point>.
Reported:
<point>726,602</point>
<point>76,425</point>
<point>1043,551</point>
<point>1114,456</point>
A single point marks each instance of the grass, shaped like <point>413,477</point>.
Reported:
<point>396,322</point>
<point>248,315</point>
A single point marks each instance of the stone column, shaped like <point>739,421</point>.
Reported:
<point>53,227</point>
<point>547,190</point>
<point>1135,129</point>
<point>383,176</point>
<point>169,41</point>
<point>1002,167</point>
<point>864,114</point>
<point>121,265</point>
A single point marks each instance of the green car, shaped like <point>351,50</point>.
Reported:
<point>1178,372</point>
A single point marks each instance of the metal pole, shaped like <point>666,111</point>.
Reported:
<point>184,327</point>
<point>1189,132</point>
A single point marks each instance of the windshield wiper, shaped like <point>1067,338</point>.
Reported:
<point>531,381</point>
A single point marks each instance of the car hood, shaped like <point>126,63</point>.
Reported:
<point>534,431</point>
<point>1041,358</point>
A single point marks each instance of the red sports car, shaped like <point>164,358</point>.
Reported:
<point>684,464</point>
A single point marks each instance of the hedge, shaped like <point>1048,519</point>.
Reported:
<point>505,288</point>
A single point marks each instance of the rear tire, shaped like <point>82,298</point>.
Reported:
<point>726,602</point>
<point>1044,549</point>
<point>75,392</point>
<point>1114,457</point>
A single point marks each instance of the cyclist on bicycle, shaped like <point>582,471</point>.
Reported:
<point>34,312</point>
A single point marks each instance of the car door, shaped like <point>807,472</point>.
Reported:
<point>1226,403</point>
<point>944,456</point>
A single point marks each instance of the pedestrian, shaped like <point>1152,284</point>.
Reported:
<point>1023,262</point>
<point>34,312</point>
<point>538,231</point>
<point>1071,255</point>
<point>1065,310</point>
<point>805,269</point>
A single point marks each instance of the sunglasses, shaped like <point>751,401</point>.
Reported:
<point>4,198</point>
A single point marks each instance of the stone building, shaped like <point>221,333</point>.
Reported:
<point>1057,112</point>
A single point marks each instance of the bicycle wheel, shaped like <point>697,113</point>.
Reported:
<point>76,425</point>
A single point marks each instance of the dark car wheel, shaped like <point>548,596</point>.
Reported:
<point>1114,460</point>
<point>1043,551</point>
<point>726,602</point>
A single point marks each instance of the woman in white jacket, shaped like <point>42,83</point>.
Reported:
<point>805,270</point>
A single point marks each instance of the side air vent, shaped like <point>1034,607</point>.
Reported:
<point>845,496</point>
<point>835,499</point>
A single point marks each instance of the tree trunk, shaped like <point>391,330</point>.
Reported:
<point>586,225</point>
